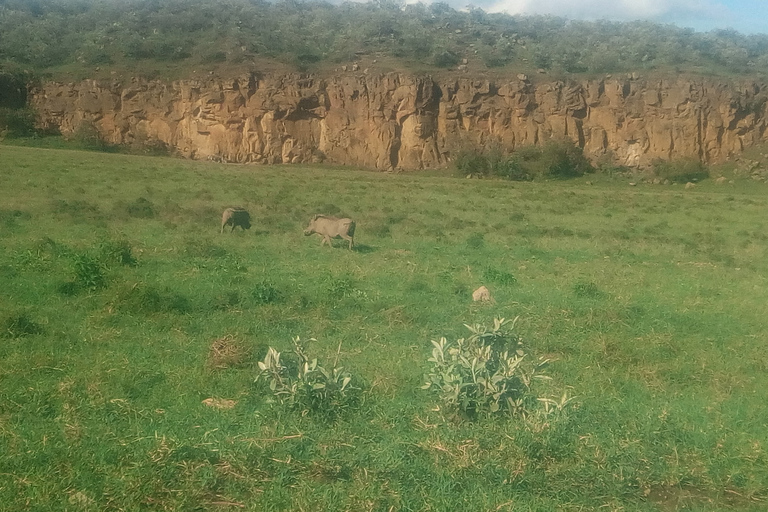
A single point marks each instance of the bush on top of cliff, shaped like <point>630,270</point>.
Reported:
<point>74,37</point>
<point>556,159</point>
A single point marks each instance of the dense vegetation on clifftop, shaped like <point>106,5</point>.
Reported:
<point>175,36</point>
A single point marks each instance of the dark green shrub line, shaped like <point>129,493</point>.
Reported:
<point>556,159</point>
<point>46,34</point>
<point>680,171</point>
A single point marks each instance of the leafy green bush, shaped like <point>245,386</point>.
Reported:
<point>17,122</point>
<point>563,159</point>
<point>472,162</point>
<point>513,169</point>
<point>557,159</point>
<point>498,276</point>
<point>87,136</point>
<point>680,171</point>
<point>445,59</point>
<point>486,374</point>
<point>306,385</point>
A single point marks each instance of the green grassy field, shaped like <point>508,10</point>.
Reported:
<point>115,285</point>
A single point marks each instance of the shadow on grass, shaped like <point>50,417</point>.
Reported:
<point>364,249</point>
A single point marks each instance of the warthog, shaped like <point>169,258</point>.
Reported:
<point>332,227</point>
<point>236,217</point>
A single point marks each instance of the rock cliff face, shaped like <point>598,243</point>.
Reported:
<point>404,122</point>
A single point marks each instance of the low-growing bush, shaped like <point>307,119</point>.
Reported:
<point>90,269</point>
<point>445,59</point>
<point>87,136</point>
<point>119,252</point>
<point>680,171</point>
<point>265,293</point>
<point>558,159</point>
<point>17,122</point>
<point>473,162</point>
<point>306,385</point>
<point>563,159</point>
<point>486,374</point>
<point>90,272</point>
<point>149,299</point>
<point>498,276</point>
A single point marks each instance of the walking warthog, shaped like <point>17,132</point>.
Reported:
<point>332,227</point>
<point>235,217</point>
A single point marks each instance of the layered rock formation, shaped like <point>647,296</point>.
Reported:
<point>405,122</point>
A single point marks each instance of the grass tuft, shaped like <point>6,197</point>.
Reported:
<point>20,324</point>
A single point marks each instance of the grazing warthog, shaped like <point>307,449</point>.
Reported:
<point>236,217</point>
<point>332,227</point>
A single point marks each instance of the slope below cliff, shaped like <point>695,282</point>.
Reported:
<point>400,121</point>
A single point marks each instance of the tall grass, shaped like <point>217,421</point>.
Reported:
<point>650,301</point>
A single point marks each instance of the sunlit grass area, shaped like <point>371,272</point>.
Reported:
<point>122,308</point>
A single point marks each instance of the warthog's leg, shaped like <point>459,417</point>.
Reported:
<point>351,241</point>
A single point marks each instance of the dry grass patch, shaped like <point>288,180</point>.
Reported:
<point>227,352</point>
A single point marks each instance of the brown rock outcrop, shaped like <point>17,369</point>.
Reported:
<point>399,121</point>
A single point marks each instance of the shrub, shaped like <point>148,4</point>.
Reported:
<point>498,276</point>
<point>556,159</point>
<point>564,159</point>
<point>680,171</point>
<point>472,163</point>
<point>445,59</point>
<point>17,122</point>
<point>265,293</point>
<point>118,252</point>
<point>306,385</point>
<point>87,136</point>
<point>485,374</point>
<point>513,169</point>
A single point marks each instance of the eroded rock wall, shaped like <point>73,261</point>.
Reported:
<point>399,121</point>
